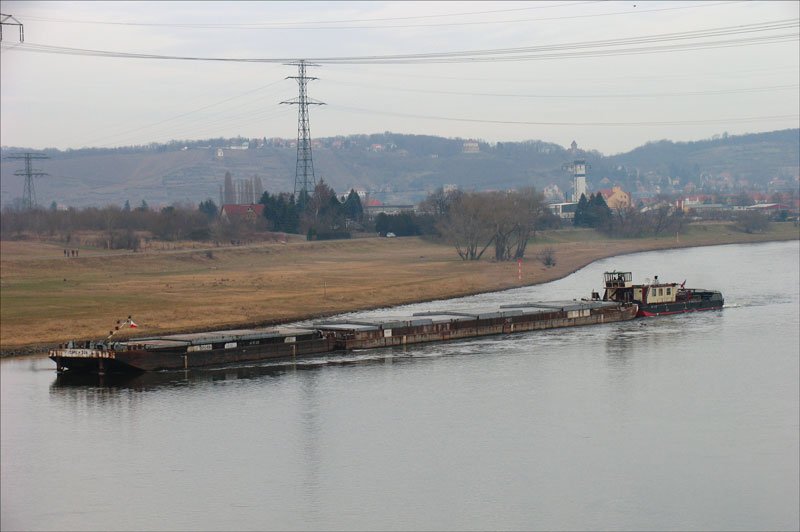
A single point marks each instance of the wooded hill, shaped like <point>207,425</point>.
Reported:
<point>394,168</point>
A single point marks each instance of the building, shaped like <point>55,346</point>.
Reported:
<point>374,208</point>
<point>616,198</point>
<point>248,213</point>
<point>470,146</point>
<point>553,193</point>
<point>578,179</point>
<point>565,211</point>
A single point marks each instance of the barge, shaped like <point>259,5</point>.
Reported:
<point>657,298</point>
<point>196,350</point>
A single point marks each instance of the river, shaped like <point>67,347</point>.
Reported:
<point>687,422</point>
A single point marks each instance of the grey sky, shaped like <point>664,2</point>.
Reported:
<point>612,102</point>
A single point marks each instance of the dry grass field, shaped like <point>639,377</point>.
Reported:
<point>46,298</point>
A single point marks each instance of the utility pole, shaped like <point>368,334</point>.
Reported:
<point>304,170</point>
<point>29,194</point>
<point>4,21</point>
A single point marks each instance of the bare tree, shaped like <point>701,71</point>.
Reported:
<point>465,226</point>
<point>750,221</point>
<point>531,212</point>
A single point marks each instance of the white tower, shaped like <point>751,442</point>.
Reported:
<point>578,180</point>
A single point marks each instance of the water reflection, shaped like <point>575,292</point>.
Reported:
<point>310,426</point>
<point>149,381</point>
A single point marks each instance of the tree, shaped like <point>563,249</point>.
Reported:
<point>127,206</point>
<point>598,212</point>
<point>743,199</point>
<point>465,226</point>
<point>208,208</point>
<point>401,224</point>
<point>353,210</point>
<point>229,193</point>
<point>592,212</point>
<point>751,221</point>
<point>501,216</point>
<point>580,219</point>
<point>438,202</point>
<point>281,212</point>
<point>323,211</point>
<point>532,214</point>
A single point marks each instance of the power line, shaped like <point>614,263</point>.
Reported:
<point>187,113</point>
<point>608,47</point>
<point>291,26</point>
<point>541,123</point>
<point>267,25</point>
<point>577,96</point>
<point>648,77</point>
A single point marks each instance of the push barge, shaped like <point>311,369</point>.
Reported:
<point>185,351</point>
<point>656,298</point>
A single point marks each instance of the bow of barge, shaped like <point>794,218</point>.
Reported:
<point>183,351</point>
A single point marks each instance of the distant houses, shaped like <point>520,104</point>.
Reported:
<point>241,213</point>
<point>616,198</point>
<point>470,146</point>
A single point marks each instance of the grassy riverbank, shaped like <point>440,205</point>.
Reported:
<point>47,298</point>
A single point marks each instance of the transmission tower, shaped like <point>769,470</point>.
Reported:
<point>4,21</point>
<point>304,171</point>
<point>29,194</point>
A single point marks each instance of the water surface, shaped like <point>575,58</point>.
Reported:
<point>681,422</point>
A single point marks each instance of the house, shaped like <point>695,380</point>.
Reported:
<point>565,211</point>
<point>470,146</point>
<point>375,207</point>
<point>248,213</point>
<point>616,198</point>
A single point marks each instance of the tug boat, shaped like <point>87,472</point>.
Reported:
<point>657,298</point>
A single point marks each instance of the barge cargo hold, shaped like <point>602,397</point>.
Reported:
<point>184,351</point>
<point>436,326</point>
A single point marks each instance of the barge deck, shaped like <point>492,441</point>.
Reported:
<point>216,348</point>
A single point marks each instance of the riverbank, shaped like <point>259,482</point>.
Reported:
<point>48,298</point>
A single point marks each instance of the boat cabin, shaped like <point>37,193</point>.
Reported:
<point>619,287</point>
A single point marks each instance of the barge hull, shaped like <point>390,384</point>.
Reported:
<point>217,348</point>
<point>442,326</point>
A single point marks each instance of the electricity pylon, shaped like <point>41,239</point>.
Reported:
<point>29,194</point>
<point>304,170</point>
<point>4,21</point>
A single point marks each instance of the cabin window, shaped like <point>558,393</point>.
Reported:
<point>661,291</point>
<point>669,291</point>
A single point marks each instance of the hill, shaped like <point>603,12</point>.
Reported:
<point>397,168</point>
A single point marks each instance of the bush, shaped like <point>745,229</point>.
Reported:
<point>547,256</point>
<point>750,221</point>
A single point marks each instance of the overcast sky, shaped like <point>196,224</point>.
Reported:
<point>736,68</point>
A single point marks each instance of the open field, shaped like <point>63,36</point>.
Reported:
<point>46,298</point>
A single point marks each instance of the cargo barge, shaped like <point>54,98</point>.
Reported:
<point>196,350</point>
<point>657,298</point>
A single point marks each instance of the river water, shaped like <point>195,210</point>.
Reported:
<point>680,422</point>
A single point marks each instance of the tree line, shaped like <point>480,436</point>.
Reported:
<point>319,215</point>
<point>500,224</point>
